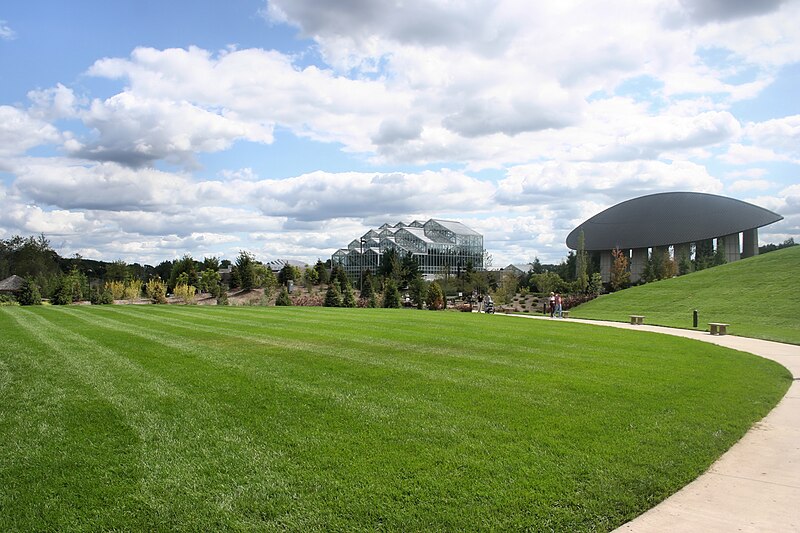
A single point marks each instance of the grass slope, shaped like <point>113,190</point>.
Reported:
<point>201,419</point>
<point>757,296</point>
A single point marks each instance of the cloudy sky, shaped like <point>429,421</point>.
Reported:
<point>149,129</point>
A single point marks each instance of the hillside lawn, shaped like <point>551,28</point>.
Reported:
<point>218,418</point>
<point>759,297</point>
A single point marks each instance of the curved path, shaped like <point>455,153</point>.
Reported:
<point>755,485</point>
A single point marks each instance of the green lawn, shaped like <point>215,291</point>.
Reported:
<point>758,297</point>
<point>214,418</point>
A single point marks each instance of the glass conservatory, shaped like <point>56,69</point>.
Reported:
<point>437,245</point>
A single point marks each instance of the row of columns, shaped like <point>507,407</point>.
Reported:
<point>638,256</point>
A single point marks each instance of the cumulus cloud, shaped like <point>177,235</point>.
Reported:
<point>704,11</point>
<point>19,132</point>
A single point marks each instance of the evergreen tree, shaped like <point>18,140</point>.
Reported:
<point>333,298</point>
<point>245,270</point>
<point>322,272</point>
<point>391,296</point>
<point>283,298</point>
<point>417,291</point>
<point>29,295</point>
<point>366,285</point>
<point>348,297</point>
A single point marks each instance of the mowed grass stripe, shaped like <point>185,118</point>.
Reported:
<point>270,429</point>
<point>180,438</point>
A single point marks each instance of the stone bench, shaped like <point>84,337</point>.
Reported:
<point>637,320</point>
<point>564,314</point>
<point>718,328</point>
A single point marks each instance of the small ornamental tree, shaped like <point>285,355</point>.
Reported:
<point>117,289</point>
<point>333,298</point>
<point>620,276</point>
<point>210,282</point>
<point>185,292</point>
<point>391,296</point>
<point>133,289</point>
<point>435,297</point>
<point>157,290</point>
<point>283,298</point>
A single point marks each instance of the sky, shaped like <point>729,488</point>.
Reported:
<point>147,130</point>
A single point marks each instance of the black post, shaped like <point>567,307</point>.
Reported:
<point>695,318</point>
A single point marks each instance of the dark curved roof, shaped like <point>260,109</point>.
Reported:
<point>669,218</point>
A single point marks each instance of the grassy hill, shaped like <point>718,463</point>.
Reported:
<point>758,296</point>
<point>173,418</point>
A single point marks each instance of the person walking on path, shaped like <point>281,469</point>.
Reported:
<point>558,305</point>
<point>552,302</point>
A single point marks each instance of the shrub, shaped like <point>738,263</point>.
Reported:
<point>117,289</point>
<point>7,299</point>
<point>283,298</point>
<point>185,292</point>
<point>133,289</point>
<point>308,300</point>
<point>157,290</point>
<point>222,299</point>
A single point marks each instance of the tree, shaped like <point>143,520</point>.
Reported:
<point>283,298</point>
<point>210,282</point>
<point>536,266</point>
<point>348,297</point>
<point>211,263</point>
<point>310,277</point>
<point>366,285</point>
<point>547,282</point>
<point>390,265</point>
<point>287,273</point>
<point>117,270</point>
<point>183,265</point>
<point>684,264</point>
<point>582,264</point>
<point>620,276</point>
<point>72,288</point>
<point>245,269</point>
<point>322,272</point>
<point>595,284</point>
<point>333,298</point>
<point>29,294</point>
<point>409,269</point>
<point>417,292</point>
<point>391,296</point>
<point>435,297</point>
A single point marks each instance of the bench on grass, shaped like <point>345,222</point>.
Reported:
<point>637,320</point>
<point>718,328</point>
<point>564,314</point>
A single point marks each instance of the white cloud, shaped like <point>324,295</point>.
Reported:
<point>750,185</point>
<point>740,154</point>
<point>19,132</point>
<point>6,33</point>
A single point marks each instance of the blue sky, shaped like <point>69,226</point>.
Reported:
<point>147,130</point>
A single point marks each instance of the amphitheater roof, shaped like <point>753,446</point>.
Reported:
<point>669,218</point>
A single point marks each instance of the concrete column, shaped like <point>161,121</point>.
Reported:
<point>638,260</point>
<point>750,243</point>
<point>605,265</point>
<point>731,247</point>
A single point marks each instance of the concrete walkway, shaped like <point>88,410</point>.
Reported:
<point>754,486</point>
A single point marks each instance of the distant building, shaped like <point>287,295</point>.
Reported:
<point>518,269</point>
<point>672,220</point>
<point>437,245</point>
<point>12,285</point>
<point>277,264</point>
